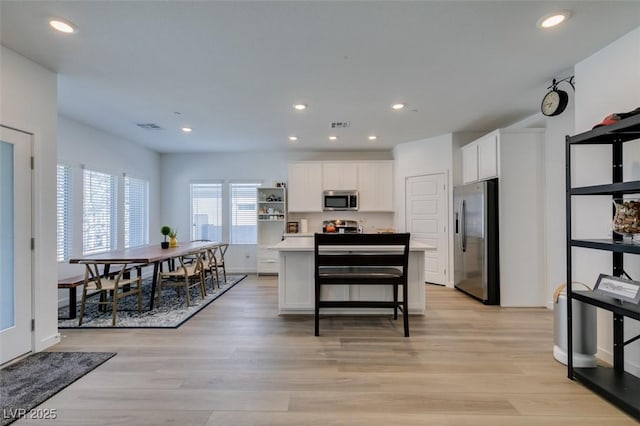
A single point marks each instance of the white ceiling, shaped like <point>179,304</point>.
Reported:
<point>233,69</point>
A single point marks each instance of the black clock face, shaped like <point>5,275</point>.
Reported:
<point>554,102</point>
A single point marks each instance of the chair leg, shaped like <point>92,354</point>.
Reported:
<point>217,277</point>
<point>186,290</point>
<point>405,309</point>
<point>395,301</point>
<point>139,294</point>
<point>203,291</point>
<point>317,311</point>
<point>224,273</point>
<point>114,307</point>
<point>84,300</point>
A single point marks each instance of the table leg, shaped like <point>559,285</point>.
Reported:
<point>72,302</point>
<point>154,282</point>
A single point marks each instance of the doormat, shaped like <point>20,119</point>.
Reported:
<point>31,381</point>
<point>172,311</point>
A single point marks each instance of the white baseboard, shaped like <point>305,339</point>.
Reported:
<point>47,342</point>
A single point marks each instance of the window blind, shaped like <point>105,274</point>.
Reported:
<point>64,197</point>
<point>136,212</point>
<point>98,212</point>
<point>206,211</point>
<point>244,229</point>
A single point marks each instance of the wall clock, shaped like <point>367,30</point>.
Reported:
<point>554,102</point>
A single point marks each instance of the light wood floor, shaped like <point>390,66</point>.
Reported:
<point>239,363</point>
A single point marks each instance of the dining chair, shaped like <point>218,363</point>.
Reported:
<point>114,287</point>
<point>185,275</point>
<point>218,260</point>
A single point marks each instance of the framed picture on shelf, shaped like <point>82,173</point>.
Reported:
<point>618,288</point>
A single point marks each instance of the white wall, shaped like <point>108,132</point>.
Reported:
<point>423,157</point>
<point>81,145</point>
<point>28,101</point>
<point>607,82</point>
<point>554,194</point>
<point>178,170</point>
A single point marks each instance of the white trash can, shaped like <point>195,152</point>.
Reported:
<point>584,322</point>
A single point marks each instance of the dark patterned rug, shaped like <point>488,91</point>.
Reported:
<point>31,381</point>
<point>171,313</point>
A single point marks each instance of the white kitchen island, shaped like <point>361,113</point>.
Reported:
<point>296,282</point>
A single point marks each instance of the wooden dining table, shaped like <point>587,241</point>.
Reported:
<point>143,255</point>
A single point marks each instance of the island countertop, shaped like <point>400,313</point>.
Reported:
<point>306,244</point>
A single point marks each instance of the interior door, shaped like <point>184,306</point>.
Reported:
<point>426,218</point>
<point>15,244</point>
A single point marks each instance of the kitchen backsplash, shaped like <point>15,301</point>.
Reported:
<point>371,220</point>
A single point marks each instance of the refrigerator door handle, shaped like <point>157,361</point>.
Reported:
<point>463,227</point>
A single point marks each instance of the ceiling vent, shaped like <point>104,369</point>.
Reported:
<point>340,124</point>
<point>149,126</point>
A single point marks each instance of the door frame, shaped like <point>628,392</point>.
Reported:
<point>447,217</point>
<point>31,264</point>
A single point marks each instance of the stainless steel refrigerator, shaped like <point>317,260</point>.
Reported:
<point>476,258</point>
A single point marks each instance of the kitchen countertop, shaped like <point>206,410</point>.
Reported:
<point>306,244</point>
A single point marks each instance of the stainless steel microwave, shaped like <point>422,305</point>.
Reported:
<point>339,200</point>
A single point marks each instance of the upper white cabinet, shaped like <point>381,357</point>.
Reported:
<point>339,176</point>
<point>375,186</point>
<point>470,163</point>
<point>488,157</point>
<point>305,187</point>
<point>372,179</point>
<point>480,159</point>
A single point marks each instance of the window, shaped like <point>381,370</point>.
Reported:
<point>136,212</point>
<point>206,211</point>
<point>98,212</point>
<point>64,196</point>
<point>244,228</point>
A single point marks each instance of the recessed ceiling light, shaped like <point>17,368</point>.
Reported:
<point>553,19</point>
<point>187,129</point>
<point>299,107</point>
<point>398,106</point>
<point>63,26</point>
<point>293,138</point>
<point>333,138</point>
<point>373,138</point>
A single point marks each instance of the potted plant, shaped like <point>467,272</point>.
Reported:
<point>165,230</point>
<point>173,238</point>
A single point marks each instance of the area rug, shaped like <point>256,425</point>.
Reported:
<point>31,381</point>
<point>172,311</point>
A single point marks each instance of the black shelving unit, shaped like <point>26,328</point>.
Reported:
<point>614,384</point>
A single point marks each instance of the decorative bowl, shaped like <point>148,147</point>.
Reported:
<point>626,219</point>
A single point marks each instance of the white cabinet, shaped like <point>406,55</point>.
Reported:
<point>515,157</point>
<point>375,186</point>
<point>305,187</point>
<point>480,159</point>
<point>339,176</point>
<point>272,216</point>
<point>488,157</point>
<point>470,163</point>
<point>372,179</point>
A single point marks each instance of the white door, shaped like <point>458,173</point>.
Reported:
<point>426,218</point>
<point>15,244</point>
